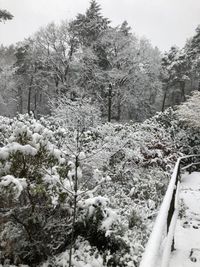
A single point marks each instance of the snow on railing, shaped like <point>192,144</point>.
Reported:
<point>161,240</point>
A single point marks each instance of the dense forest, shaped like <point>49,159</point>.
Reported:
<point>123,76</point>
<point>93,119</point>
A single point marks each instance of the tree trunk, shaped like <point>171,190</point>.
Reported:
<point>35,101</point>
<point>182,86</point>
<point>109,102</point>
<point>29,96</point>
<point>56,84</point>
<point>164,98</point>
<point>35,104</point>
<point>118,108</point>
<point>20,103</point>
<point>74,210</point>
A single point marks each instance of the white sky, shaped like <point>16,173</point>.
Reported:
<point>164,22</point>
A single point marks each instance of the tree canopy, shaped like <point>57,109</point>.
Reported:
<point>5,15</point>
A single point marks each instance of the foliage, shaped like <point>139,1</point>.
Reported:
<point>187,114</point>
<point>36,193</point>
<point>68,182</point>
<point>122,174</point>
<point>28,194</point>
<point>78,114</point>
<point>5,15</point>
<point>189,111</point>
<point>79,59</point>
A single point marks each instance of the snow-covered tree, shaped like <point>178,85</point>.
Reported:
<point>89,26</point>
<point>5,15</point>
<point>175,71</point>
<point>38,184</point>
<point>189,111</point>
<point>7,84</point>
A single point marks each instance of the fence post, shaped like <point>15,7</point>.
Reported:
<point>170,215</point>
<point>172,206</point>
<point>190,168</point>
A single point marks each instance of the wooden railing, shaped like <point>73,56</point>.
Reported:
<point>161,240</point>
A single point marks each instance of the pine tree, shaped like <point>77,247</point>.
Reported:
<point>175,69</point>
<point>193,46</point>
<point>192,50</point>
<point>87,27</point>
<point>5,15</point>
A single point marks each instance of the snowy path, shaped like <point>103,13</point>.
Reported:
<point>187,232</point>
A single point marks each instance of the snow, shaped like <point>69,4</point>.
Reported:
<point>51,179</point>
<point>79,173</point>
<point>54,200</point>
<point>84,256</point>
<point>82,155</point>
<point>14,147</point>
<point>117,191</point>
<point>10,265</point>
<point>38,127</point>
<point>187,233</point>
<point>97,201</point>
<point>151,204</point>
<point>152,250</point>
<point>170,236</point>
<point>97,175</point>
<point>19,184</point>
<point>111,218</point>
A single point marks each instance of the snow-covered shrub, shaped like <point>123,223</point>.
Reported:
<point>188,112</point>
<point>37,191</point>
<point>77,114</point>
<point>31,182</point>
<point>139,159</point>
<point>98,223</point>
<point>135,219</point>
<point>84,255</point>
<point>129,164</point>
<point>5,128</point>
<point>182,124</point>
<point>185,136</point>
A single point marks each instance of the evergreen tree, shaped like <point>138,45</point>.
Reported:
<point>192,50</point>
<point>30,79</point>
<point>87,27</point>
<point>175,70</point>
<point>5,15</point>
<point>193,46</point>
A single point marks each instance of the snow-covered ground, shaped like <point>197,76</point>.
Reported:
<point>187,232</point>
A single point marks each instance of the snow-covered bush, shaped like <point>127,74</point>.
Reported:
<point>31,170</point>
<point>128,165</point>
<point>138,159</point>
<point>182,125</point>
<point>78,114</point>
<point>5,128</point>
<point>99,225</point>
<point>187,115</point>
<point>37,182</point>
<point>188,112</point>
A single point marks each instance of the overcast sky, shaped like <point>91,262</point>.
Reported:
<point>164,22</point>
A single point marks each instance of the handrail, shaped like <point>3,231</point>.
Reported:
<point>190,165</point>
<point>166,220</point>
